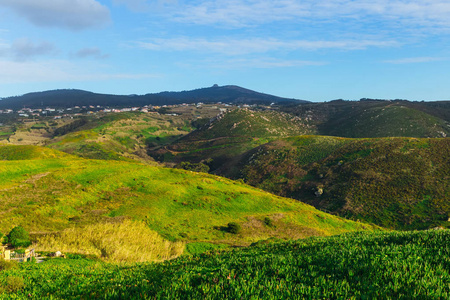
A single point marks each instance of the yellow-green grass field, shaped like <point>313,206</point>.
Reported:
<point>50,195</point>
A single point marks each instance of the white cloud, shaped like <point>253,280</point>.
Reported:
<point>255,45</point>
<point>414,60</point>
<point>68,14</point>
<point>58,71</point>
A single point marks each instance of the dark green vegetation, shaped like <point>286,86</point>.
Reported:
<point>18,237</point>
<point>228,136</point>
<point>53,194</point>
<point>408,265</point>
<point>71,98</point>
<point>376,118</point>
<point>401,183</point>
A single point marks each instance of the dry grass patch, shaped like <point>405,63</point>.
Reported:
<point>128,241</point>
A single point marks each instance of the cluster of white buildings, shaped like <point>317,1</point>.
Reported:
<point>59,113</point>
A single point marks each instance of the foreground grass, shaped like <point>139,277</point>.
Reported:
<point>395,265</point>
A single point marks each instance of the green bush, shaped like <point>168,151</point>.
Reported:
<point>6,265</point>
<point>234,228</point>
<point>195,167</point>
<point>19,237</point>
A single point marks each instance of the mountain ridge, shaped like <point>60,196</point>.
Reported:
<point>74,97</point>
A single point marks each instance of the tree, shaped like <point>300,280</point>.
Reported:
<point>19,237</point>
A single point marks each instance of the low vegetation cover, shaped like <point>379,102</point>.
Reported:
<point>108,205</point>
<point>389,265</point>
<point>51,195</point>
<point>229,135</point>
<point>401,183</point>
<point>28,152</point>
<point>375,118</point>
<point>124,241</point>
<point>123,136</point>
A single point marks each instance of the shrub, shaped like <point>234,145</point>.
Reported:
<point>234,228</point>
<point>6,265</point>
<point>195,167</point>
<point>14,283</point>
<point>268,222</point>
<point>19,237</point>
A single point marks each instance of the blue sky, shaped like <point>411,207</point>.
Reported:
<point>314,50</point>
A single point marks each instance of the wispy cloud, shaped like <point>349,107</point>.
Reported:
<point>261,63</point>
<point>230,46</point>
<point>90,53</point>
<point>237,13</point>
<point>67,14</point>
<point>414,60</point>
<point>24,48</point>
<point>59,71</point>
<point>146,5</point>
<point>244,13</point>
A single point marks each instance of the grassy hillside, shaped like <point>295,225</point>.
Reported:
<point>51,195</point>
<point>393,182</point>
<point>28,152</point>
<point>371,118</point>
<point>229,135</point>
<point>122,136</point>
<point>116,136</point>
<point>410,265</point>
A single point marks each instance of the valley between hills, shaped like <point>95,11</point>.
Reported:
<point>225,193</point>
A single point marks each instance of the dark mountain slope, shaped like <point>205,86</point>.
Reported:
<point>227,94</point>
<point>227,136</point>
<point>70,98</point>
<point>376,118</point>
<point>400,183</point>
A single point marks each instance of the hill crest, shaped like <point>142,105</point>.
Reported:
<point>72,97</point>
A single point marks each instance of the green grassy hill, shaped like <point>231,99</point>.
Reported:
<point>52,195</point>
<point>400,183</point>
<point>230,135</point>
<point>122,136</point>
<point>29,152</point>
<point>409,265</point>
<point>371,118</point>
<point>113,136</point>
